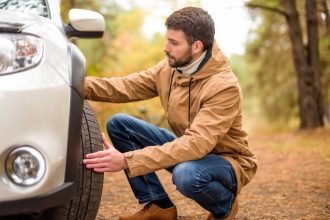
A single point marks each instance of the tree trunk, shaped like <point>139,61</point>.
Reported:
<point>72,3</point>
<point>325,35</point>
<point>313,55</point>
<point>308,99</point>
<point>327,16</point>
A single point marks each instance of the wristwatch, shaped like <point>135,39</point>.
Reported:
<point>128,154</point>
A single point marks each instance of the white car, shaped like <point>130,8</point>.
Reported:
<point>45,126</point>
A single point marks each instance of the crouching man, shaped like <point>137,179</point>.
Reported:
<point>207,150</point>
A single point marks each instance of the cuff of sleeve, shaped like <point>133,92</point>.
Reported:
<point>134,166</point>
<point>129,162</point>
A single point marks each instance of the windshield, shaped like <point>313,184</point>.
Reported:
<point>37,7</point>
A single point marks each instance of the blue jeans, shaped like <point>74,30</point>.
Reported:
<point>210,181</point>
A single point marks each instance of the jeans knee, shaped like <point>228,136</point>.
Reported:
<point>184,178</point>
<point>115,123</point>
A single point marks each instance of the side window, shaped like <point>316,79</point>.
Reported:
<point>37,7</point>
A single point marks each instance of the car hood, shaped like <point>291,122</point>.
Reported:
<point>16,22</point>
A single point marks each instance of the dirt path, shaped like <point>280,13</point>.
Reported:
<point>293,185</point>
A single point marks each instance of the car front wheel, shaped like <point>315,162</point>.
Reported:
<point>85,204</point>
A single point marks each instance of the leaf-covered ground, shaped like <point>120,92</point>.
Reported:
<point>292,182</point>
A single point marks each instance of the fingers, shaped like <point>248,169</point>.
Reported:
<point>95,160</point>
<point>99,167</point>
<point>106,142</point>
<point>97,154</point>
<point>96,165</point>
<point>108,160</point>
<point>101,170</point>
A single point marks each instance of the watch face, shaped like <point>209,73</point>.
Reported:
<point>128,154</point>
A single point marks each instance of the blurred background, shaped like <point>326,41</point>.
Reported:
<point>279,50</point>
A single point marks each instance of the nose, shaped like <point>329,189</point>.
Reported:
<point>166,48</point>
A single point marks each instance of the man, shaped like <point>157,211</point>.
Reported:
<point>207,153</point>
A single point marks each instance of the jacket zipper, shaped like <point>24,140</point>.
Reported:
<point>169,90</point>
<point>189,102</point>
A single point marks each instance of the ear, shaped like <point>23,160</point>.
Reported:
<point>197,47</point>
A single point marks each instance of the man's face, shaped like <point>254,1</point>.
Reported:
<point>177,49</point>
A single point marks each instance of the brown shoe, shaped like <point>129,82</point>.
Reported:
<point>232,213</point>
<point>153,212</point>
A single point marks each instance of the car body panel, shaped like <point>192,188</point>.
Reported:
<point>43,124</point>
<point>41,119</point>
<point>42,107</point>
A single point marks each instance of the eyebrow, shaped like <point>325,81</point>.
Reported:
<point>172,40</point>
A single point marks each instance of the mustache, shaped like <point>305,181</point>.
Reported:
<point>169,55</point>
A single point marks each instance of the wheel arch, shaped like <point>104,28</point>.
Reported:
<point>77,69</point>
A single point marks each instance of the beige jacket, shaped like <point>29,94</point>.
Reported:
<point>204,111</point>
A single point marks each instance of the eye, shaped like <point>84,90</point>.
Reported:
<point>174,43</point>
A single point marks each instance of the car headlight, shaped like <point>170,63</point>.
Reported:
<point>25,166</point>
<point>19,52</point>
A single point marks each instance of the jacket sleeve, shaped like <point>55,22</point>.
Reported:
<point>134,87</point>
<point>208,128</point>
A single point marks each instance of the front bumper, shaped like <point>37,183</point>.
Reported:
<point>39,109</point>
<point>63,194</point>
<point>53,198</point>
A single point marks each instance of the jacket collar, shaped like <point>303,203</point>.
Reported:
<point>214,62</point>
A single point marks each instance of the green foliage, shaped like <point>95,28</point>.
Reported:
<point>270,61</point>
<point>268,54</point>
<point>122,50</point>
<point>266,72</point>
<point>325,67</point>
<point>242,70</point>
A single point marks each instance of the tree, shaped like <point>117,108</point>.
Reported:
<point>324,53</point>
<point>306,59</point>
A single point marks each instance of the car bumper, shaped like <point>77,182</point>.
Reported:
<point>35,111</point>
<point>63,194</point>
<point>56,196</point>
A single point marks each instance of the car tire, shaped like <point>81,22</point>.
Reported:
<point>85,204</point>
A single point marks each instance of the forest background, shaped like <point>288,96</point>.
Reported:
<point>266,68</point>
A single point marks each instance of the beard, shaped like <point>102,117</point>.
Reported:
<point>180,62</point>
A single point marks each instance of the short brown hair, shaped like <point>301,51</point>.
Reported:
<point>196,23</point>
